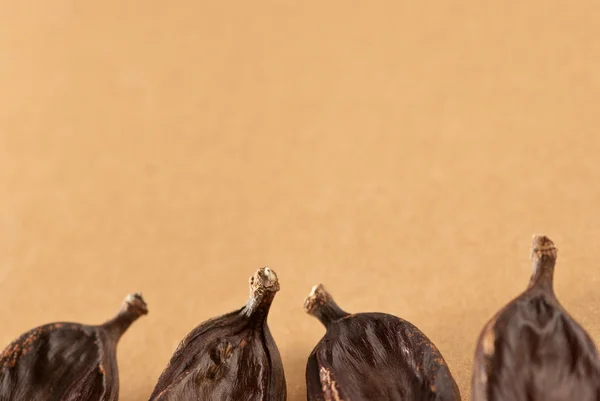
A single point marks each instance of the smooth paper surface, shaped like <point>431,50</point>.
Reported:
<point>401,153</point>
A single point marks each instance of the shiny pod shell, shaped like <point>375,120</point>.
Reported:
<point>532,349</point>
<point>373,357</point>
<point>67,361</point>
<point>229,358</point>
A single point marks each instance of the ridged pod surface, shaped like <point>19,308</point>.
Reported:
<point>532,349</point>
<point>67,361</point>
<point>373,357</point>
<point>229,358</point>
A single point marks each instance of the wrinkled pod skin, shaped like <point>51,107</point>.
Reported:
<point>373,357</point>
<point>229,358</point>
<point>67,361</point>
<point>532,349</point>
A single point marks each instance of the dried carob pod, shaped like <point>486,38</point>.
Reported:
<point>532,349</point>
<point>229,358</point>
<point>373,357</point>
<point>67,361</point>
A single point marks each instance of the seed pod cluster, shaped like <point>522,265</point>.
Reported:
<point>67,361</point>
<point>372,357</point>
<point>532,349</point>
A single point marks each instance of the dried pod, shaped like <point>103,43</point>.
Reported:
<point>373,357</point>
<point>532,349</point>
<point>67,361</point>
<point>231,357</point>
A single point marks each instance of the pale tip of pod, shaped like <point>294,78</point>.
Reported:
<point>542,247</point>
<point>265,279</point>
<point>318,296</point>
<point>134,303</point>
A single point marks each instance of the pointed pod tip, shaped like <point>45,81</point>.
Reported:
<point>132,308</point>
<point>318,296</point>
<point>542,247</point>
<point>265,279</point>
<point>135,303</point>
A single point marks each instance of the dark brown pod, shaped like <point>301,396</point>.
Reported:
<point>373,357</point>
<point>67,361</point>
<point>532,349</point>
<point>229,358</point>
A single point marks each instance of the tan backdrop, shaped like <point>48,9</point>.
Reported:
<point>402,153</point>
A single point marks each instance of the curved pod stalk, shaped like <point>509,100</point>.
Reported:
<point>229,358</point>
<point>373,357</point>
<point>67,361</point>
<point>532,349</point>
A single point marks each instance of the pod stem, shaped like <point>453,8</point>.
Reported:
<point>543,260</point>
<point>132,308</point>
<point>263,287</point>
<point>321,305</point>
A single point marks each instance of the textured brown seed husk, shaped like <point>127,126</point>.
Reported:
<point>231,357</point>
<point>532,349</point>
<point>67,361</point>
<point>373,357</point>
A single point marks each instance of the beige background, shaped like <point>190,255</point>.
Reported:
<point>400,152</point>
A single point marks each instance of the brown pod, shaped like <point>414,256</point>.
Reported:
<point>532,349</point>
<point>373,357</point>
<point>229,358</point>
<point>67,361</point>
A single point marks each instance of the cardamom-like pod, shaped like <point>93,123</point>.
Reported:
<point>373,357</point>
<point>67,361</point>
<point>532,349</point>
<point>229,358</point>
